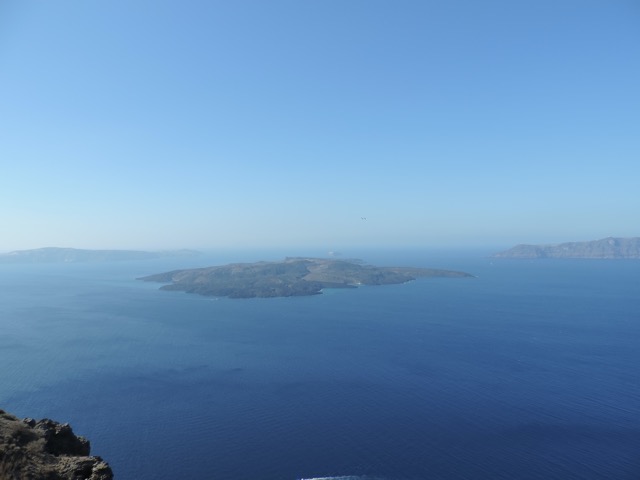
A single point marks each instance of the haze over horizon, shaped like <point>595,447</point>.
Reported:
<point>164,124</point>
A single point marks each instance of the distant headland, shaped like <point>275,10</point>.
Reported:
<point>68,255</point>
<point>605,248</point>
<point>291,277</point>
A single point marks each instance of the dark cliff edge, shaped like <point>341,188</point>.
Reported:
<point>291,277</point>
<point>606,248</point>
<point>46,450</point>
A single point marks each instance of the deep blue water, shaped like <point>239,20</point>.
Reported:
<point>529,371</point>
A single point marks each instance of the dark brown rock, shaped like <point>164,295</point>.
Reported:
<point>46,450</point>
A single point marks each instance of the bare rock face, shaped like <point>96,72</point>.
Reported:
<point>46,450</point>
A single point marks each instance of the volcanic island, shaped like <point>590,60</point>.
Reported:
<point>294,276</point>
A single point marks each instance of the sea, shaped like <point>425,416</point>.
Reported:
<point>529,370</point>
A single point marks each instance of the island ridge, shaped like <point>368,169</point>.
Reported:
<point>291,277</point>
<point>610,247</point>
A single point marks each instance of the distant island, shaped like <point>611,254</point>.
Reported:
<point>291,277</point>
<point>67,255</point>
<point>606,248</point>
<point>45,449</point>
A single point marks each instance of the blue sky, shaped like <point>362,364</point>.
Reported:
<point>199,124</point>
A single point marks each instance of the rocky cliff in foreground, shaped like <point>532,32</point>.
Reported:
<point>46,450</point>
<point>606,248</point>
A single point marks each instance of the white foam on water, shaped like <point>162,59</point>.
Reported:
<point>347,477</point>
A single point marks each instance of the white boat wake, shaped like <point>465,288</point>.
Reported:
<point>344,477</point>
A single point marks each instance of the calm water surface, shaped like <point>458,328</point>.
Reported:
<point>529,371</point>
